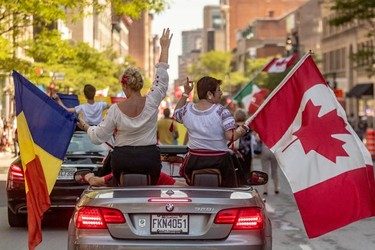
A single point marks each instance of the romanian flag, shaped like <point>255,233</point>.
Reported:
<point>44,132</point>
<point>70,101</point>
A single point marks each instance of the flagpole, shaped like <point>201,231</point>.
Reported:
<point>252,79</point>
<point>251,118</point>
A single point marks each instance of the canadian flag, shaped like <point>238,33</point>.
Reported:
<point>328,167</point>
<point>280,64</point>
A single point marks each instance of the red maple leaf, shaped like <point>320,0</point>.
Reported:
<point>316,132</point>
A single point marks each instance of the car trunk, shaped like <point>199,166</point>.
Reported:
<point>173,212</point>
<point>66,190</point>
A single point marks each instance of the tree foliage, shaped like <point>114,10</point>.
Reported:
<point>361,12</point>
<point>47,51</point>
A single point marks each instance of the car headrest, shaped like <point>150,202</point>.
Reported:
<point>134,180</point>
<point>209,177</point>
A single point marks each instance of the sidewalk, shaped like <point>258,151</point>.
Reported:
<point>6,159</point>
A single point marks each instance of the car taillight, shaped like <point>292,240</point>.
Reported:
<point>98,218</point>
<point>241,218</point>
<point>16,173</point>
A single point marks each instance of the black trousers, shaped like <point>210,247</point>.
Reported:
<point>223,162</point>
<point>136,160</point>
<point>246,162</point>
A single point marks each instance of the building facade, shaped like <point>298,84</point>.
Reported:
<point>141,43</point>
<point>213,29</point>
<point>337,45</point>
<point>240,13</point>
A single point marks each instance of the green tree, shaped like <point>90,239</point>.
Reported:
<point>363,13</point>
<point>81,65</point>
<point>19,15</point>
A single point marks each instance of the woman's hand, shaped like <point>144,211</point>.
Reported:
<point>55,96</point>
<point>165,39</point>
<point>82,125</point>
<point>188,86</point>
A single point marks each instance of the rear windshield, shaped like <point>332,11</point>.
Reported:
<point>81,143</point>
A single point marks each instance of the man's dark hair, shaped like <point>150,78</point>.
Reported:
<point>167,112</point>
<point>207,84</point>
<point>89,91</point>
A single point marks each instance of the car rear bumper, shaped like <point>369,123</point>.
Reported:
<point>233,242</point>
<point>61,198</point>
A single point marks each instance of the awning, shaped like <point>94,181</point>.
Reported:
<point>363,89</point>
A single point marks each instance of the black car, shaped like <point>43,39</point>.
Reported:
<point>81,154</point>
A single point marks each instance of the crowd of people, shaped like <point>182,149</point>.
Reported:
<point>8,135</point>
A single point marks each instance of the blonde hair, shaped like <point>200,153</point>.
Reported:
<point>134,79</point>
<point>240,115</point>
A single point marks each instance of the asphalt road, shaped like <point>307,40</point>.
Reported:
<point>287,227</point>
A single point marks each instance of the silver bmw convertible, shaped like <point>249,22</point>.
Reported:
<point>203,216</point>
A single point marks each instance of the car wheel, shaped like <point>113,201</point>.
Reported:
<point>16,220</point>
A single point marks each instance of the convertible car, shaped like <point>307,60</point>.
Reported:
<point>202,216</point>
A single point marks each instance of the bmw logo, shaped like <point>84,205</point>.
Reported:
<point>169,207</point>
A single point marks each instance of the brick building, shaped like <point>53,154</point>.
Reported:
<point>242,12</point>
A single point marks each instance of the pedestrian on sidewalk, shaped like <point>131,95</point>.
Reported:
<point>14,136</point>
<point>269,165</point>
<point>244,145</point>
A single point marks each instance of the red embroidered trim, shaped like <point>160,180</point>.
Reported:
<point>206,152</point>
<point>124,80</point>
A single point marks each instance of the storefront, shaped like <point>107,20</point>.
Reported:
<point>364,94</point>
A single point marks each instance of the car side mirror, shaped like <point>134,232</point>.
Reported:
<point>79,175</point>
<point>258,178</point>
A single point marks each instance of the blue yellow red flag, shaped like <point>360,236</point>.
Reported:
<point>44,131</point>
<point>69,100</point>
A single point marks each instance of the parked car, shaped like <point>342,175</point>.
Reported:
<point>140,216</point>
<point>81,154</point>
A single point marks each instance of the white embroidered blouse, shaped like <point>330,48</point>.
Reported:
<point>206,127</point>
<point>139,130</point>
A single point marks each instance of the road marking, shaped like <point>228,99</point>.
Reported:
<point>305,247</point>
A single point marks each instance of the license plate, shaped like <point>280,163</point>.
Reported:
<point>66,173</point>
<point>169,224</point>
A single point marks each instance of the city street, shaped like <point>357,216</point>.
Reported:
<point>288,230</point>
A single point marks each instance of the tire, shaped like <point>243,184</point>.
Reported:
<point>16,220</point>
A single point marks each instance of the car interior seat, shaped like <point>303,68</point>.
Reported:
<point>209,177</point>
<point>134,180</point>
